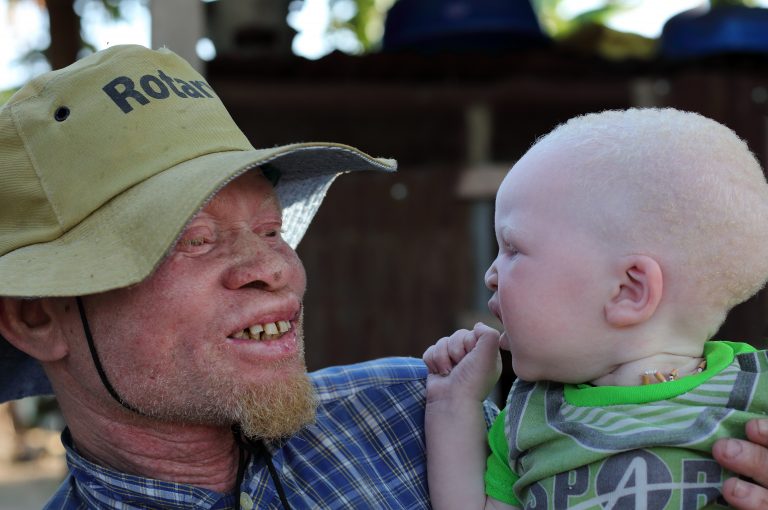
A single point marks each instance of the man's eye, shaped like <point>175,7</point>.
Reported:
<point>274,233</point>
<point>194,243</point>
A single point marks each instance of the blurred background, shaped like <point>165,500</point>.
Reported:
<point>456,90</point>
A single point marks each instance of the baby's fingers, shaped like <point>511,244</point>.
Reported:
<point>437,359</point>
<point>481,330</point>
<point>486,349</point>
<point>460,344</point>
<point>448,352</point>
<point>429,359</point>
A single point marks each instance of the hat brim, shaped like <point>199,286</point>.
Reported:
<point>126,239</point>
<point>122,242</point>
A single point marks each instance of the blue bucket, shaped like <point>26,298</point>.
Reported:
<point>435,25</point>
<point>721,30</point>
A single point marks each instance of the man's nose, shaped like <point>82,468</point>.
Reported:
<point>259,263</point>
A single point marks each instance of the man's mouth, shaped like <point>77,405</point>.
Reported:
<point>266,331</point>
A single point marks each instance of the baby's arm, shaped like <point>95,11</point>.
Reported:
<point>462,370</point>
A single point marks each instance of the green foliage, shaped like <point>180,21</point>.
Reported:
<point>558,26</point>
<point>367,22</point>
<point>733,3</point>
<point>361,20</point>
<point>113,8</point>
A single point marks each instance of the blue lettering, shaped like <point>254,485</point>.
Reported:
<point>169,81</point>
<point>122,90</point>
<point>146,83</point>
<point>573,483</point>
<point>201,86</point>
<point>121,98</point>
<point>702,480</point>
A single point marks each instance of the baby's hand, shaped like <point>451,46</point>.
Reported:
<point>466,364</point>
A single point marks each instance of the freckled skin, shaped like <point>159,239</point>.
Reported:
<point>181,316</point>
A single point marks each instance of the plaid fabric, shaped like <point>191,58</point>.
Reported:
<point>366,450</point>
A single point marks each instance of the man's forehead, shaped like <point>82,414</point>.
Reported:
<point>251,189</point>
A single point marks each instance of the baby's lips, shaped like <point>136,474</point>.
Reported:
<point>493,307</point>
<point>504,342</point>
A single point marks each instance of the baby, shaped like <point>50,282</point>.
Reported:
<point>625,237</point>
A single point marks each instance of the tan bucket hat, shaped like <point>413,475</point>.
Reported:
<point>104,162</point>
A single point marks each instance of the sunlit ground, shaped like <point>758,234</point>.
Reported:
<point>31,460</point>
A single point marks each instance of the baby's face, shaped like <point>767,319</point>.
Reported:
<point>551,277</point>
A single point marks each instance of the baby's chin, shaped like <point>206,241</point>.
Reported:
<point>523,371</point>
<point>527,372</point>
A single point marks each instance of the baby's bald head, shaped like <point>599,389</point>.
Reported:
<point>674,185</point>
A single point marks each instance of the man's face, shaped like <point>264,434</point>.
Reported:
<point>214,335</point>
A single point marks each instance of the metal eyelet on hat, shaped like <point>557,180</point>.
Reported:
<point>61,113</point>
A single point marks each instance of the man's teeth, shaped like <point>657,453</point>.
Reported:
<point>267,331</point>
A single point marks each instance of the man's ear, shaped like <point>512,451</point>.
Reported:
<point>637,293</point>
<point>29,325</point>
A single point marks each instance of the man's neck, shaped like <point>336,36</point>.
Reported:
<point>199,455</point>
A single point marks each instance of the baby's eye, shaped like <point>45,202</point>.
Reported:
<point>510,249</point>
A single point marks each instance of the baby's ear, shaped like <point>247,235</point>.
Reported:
<point>637,293</point>
<point>28,325</point>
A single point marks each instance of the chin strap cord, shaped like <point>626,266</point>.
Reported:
<point>245,444</point>
<point>257,449</point>
<point>97,360</point>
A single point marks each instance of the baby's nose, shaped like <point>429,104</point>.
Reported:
<point>491,279</point>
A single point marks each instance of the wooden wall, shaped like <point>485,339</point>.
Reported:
<point>389,274</point>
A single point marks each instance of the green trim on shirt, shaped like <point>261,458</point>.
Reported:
<point>718,355</point>
<point>499,479</point>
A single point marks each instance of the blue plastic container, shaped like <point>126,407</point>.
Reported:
<point>704,32</point>
<point>434,25</point>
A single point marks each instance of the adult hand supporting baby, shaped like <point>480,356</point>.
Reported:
<point>749,459</point>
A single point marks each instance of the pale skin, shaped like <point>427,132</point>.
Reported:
<point>463,369</point>
<point>166,339</point>
<point>620,325</point>
<point>212,296</point>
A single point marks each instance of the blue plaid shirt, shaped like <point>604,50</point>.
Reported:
<point>366,450</point>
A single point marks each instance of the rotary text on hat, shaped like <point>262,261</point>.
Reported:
<point>123,88</point>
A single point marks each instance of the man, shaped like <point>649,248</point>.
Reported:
<point>147,264</point>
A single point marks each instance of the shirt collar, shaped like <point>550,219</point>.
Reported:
<point>102,487</point>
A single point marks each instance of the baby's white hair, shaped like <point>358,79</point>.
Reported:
<point>680,187</point>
